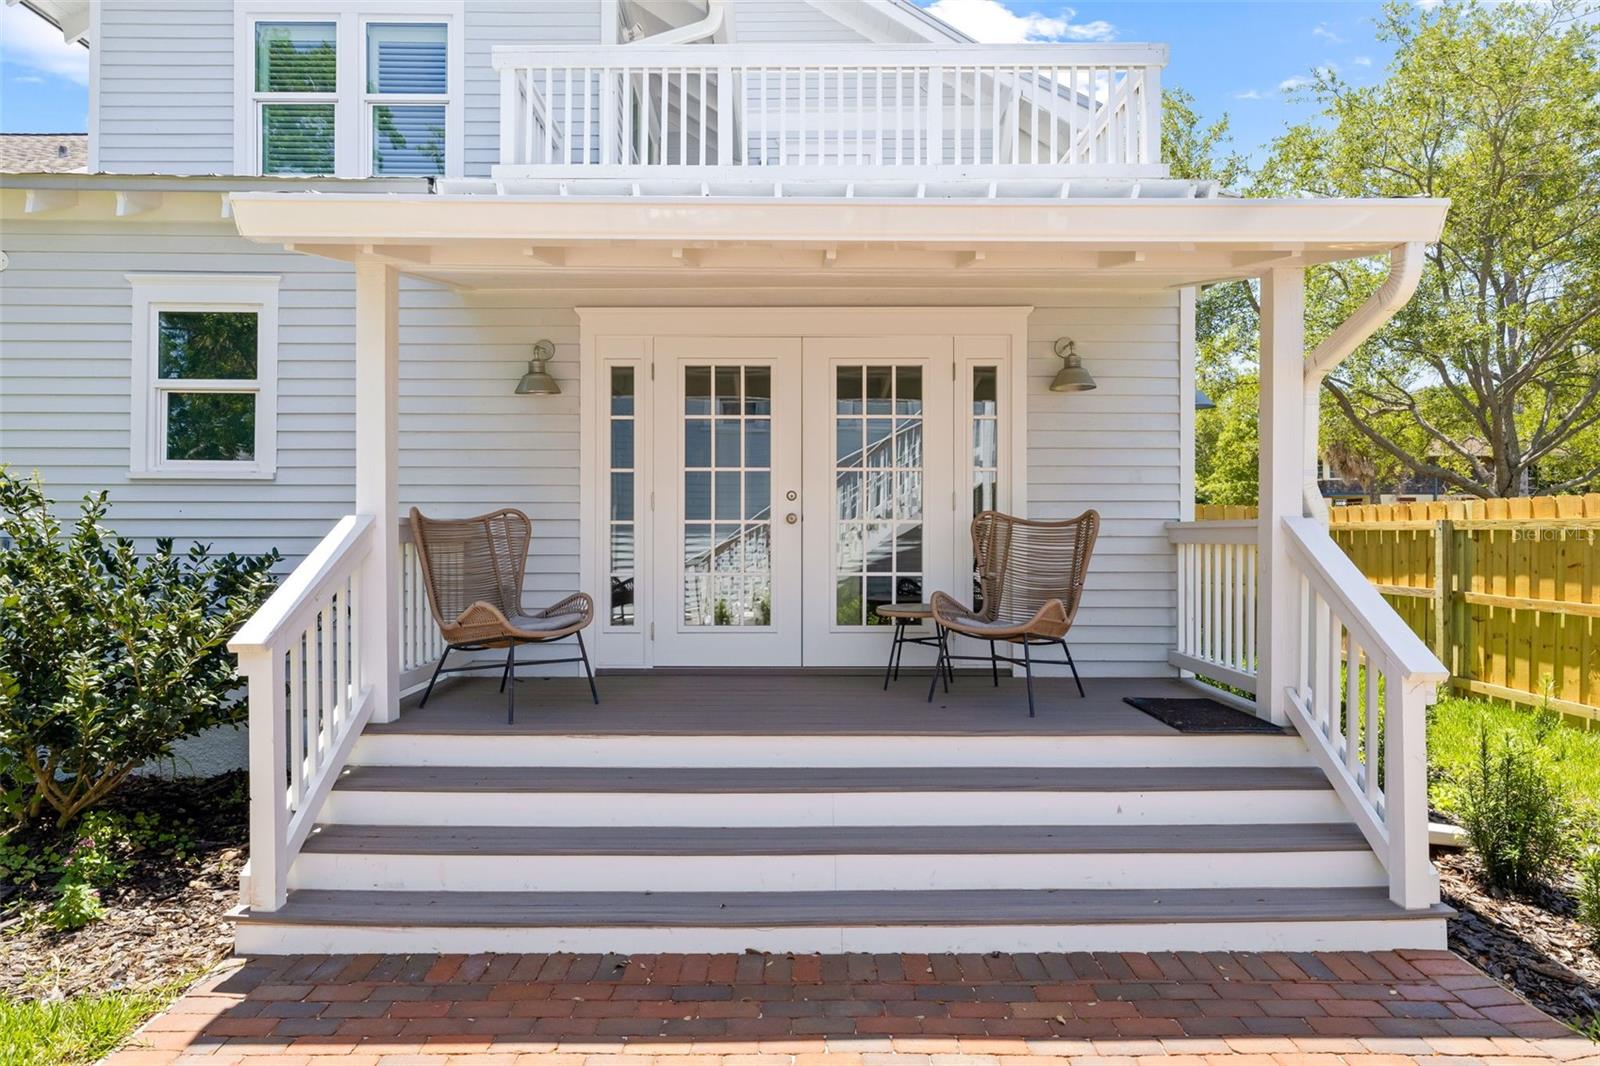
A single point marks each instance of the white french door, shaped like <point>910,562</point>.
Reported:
<point>726,502</point>
<point>880,444</point>
<point>798,484</point>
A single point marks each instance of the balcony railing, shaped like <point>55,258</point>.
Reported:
<point>763,112</point>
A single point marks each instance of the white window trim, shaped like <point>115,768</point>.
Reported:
<point>154,293</point>
<point>352,148</point>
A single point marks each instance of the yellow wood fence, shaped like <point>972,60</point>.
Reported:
<point>1506,592</point>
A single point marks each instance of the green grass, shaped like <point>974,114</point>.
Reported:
<point>1572,755</point>
<point>75,1031</point>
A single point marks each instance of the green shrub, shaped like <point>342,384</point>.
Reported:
<point>107,657</point>
<point>75,906</point>
<point>1516,818</point>
<point>1589,895</point>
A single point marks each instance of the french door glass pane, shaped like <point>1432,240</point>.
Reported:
<point>623,491</point>
<point>878,506</point>
<point>727,496</point>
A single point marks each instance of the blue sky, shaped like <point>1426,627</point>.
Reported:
<point>1235,56</point>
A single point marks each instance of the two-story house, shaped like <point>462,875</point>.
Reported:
<point>805,285</point>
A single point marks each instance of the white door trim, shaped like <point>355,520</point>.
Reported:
<point>629,333</point>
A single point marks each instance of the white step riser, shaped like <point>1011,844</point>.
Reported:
<point>801,751</point>
<point>784,873</point>
<point>269,939</point>
<point>846,808</point>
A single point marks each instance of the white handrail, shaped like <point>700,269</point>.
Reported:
<point>302,658</point>
<point>927,110</point>
<point>1359,699</point>
<point>1217,585</point>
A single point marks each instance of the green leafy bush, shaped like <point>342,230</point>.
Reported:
<point>1589,894</point>
<point>107,657</point>
<point>1516,817</point>
<point>76,905</point>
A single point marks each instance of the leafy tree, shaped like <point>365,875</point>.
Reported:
<point>107,657</point>
<point>1492,372</point>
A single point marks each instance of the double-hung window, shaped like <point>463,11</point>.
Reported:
<point>352,89</point>
<point>296,96</point>
<point>204,375</point>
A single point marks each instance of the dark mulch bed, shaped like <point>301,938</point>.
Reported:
<point>165,918</point>
<point>1535,945</point>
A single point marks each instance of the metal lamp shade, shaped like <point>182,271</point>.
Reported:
<point>537,381</point>
<point>1072,377</point>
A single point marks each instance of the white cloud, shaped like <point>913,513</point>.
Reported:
<point>1362,61</point>
<point>28,79</point>
<point>992,22</point>
<point>1250,94</point>
<point>1324,31</point>
<point>1289,85</point>
<point>26,40</point>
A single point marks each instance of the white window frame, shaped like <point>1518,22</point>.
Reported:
<point>352,147</point>
<point>154,293</point>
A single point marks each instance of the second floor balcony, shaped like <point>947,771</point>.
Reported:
<point>844,113</point>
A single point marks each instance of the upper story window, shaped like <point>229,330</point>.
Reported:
<point>205,353</point>
<point>350,89</point>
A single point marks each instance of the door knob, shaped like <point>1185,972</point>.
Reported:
<point>791,518</point>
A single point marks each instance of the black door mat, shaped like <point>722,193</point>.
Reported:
<point>1200,715</point>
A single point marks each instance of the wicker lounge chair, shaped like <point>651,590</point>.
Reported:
<point>1031,578</point>
<point>473,568</point>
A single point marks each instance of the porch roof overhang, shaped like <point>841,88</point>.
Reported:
<point>526,241</point>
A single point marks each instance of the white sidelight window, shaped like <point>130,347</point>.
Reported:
<point>349,89</point>
<point>205,393</point>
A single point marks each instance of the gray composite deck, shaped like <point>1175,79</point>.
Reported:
<point>713,780</point>
<point>832,908</point>
<point>775,703</point>
<point>755,841</point>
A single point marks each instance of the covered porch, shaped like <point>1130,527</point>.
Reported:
<point>1271,608</point>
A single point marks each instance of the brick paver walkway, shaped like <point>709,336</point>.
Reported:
<point>1183,1009</point>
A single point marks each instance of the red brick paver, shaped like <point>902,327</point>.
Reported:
<point>1077,1009</point>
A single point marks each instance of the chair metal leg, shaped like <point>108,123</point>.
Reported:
<point>1074,666</point>
<point>1027,666</point>
<point>511,687</point>
<point>948,675</point>
<point>994,665</point>
<point>938,666</point>
<point>504,674</point>
<point>437,667</point>
<point>584,653</point>
<point>893,645</point>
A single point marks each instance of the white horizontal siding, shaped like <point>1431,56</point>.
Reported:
<point>468,444</point>
<point>788,21</point>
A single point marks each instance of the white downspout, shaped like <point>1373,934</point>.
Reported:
<point>716,14</point>
<point>1405,271</point>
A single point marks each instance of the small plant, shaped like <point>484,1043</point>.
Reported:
<point>1589,895</point>
<point>1516,819</point>
<point>76,905</point>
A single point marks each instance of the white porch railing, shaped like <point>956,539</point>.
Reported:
<point>1360,696</point>
<point>421,643</point>
<point>303,660</point>
<point>1361,685</point>
<point>1216,600</point>
<point>926,111</point>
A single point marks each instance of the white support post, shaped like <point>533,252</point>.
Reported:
<point>267,887</point>
<point>1413,882</point>
<point>377,475</point>
<point>1282,433</point>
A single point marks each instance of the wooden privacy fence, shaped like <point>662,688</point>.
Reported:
<point>1505,592</point>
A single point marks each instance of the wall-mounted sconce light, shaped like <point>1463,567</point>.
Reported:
<point>537,381</point>
<point>1072,377</point>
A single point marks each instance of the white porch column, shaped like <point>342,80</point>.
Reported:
<point>377,475</point>
<point>1282,437</point>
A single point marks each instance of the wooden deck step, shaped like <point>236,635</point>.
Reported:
<point>761,910</point>
<point>834,840</point>
<point>778,779</point>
